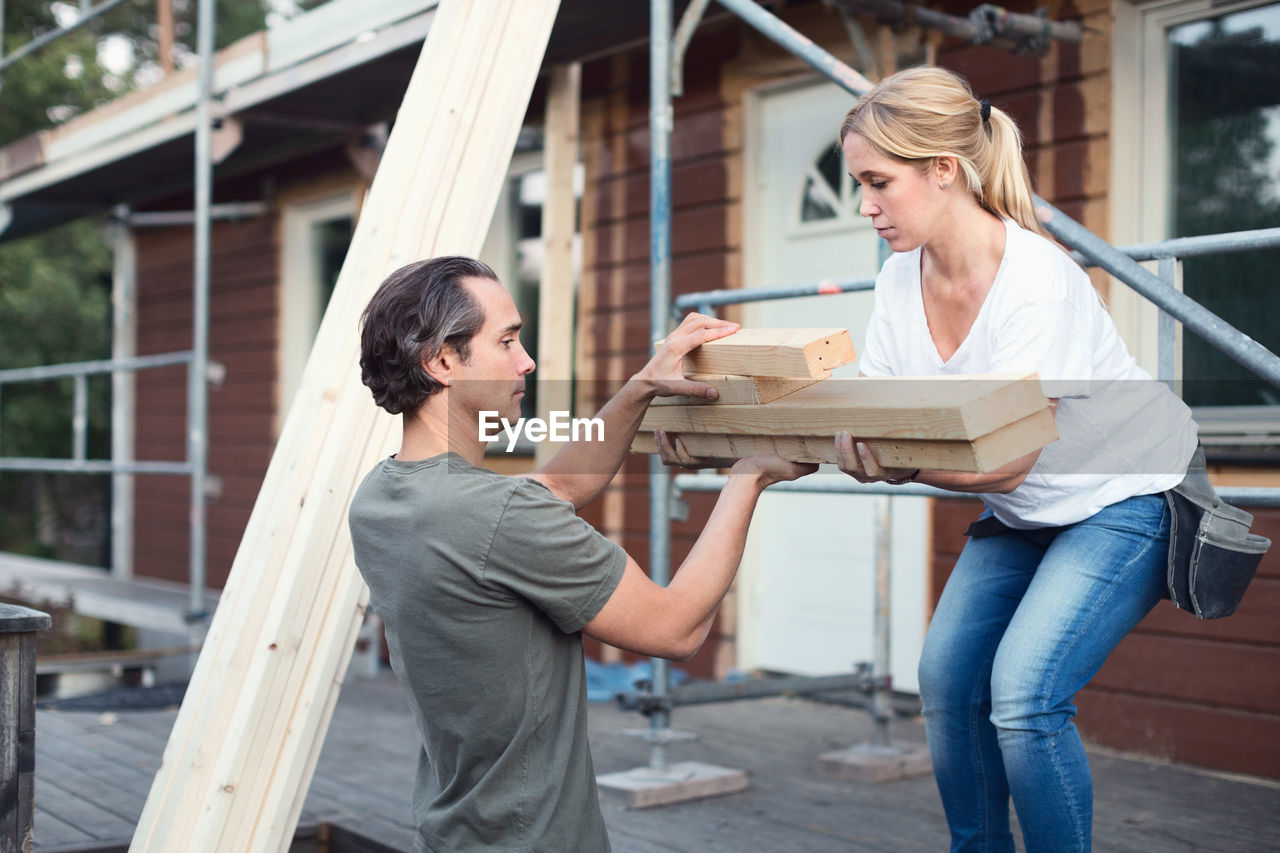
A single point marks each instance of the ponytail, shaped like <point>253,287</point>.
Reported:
<point>1006,184</point>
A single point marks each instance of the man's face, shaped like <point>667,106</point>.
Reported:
<point>492,379</point>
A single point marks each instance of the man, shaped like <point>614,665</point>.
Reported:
<point>485,581</point>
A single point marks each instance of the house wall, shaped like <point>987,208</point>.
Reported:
<point>244,323</point>
<point>242,338</point>
<point>1205,693</point>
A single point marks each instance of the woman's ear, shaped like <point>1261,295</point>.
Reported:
<point>440,367</point>
<point>945,170</point>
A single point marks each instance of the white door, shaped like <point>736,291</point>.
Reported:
<point>807,584</point>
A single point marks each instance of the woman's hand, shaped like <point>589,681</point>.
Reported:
<point>856,460</point>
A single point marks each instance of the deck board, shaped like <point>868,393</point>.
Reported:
<point>93,772</point>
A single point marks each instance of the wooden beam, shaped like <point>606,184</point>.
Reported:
<point>244,745</point>
<point>946,408</point>
<point>738,390</point>
<point>983,454</point>
<point>790,353</point>
<point>556,290</point>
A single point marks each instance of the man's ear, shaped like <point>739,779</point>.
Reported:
<point>441,366</point>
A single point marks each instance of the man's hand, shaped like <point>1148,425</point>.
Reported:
<point>772,469</point>
<point>860,464</point>
<point>664,374</point>
<point>673,452</point>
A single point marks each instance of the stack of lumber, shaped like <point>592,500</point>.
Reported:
<point>775,399</point>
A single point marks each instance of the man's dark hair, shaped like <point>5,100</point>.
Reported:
<point>417,310</point>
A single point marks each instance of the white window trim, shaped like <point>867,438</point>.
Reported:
<point>299,314</point>
<point>1139,193</point>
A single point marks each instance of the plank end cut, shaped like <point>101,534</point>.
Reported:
<point>776,353</point>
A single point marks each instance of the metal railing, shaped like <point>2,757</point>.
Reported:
<point>78,461</point>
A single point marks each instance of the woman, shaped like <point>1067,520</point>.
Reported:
<point>1070,553</point>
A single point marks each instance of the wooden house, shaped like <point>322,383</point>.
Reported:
<point>760,198</point>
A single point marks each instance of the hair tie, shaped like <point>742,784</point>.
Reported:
<point>986,109</point>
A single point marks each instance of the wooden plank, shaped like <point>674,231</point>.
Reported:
<point>791,353</point>
<point>555,292</point>
<point>738,390</point>
<point>945,408</point>
<point>237,764</point>
<point>983,454</point>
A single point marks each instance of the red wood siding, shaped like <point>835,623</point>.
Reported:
<point>615,222</point>
<point>242,337</point>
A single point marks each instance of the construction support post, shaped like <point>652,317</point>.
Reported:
<point>198,372</point>
<point>556,289</point>
<point>663,782</point>
<point>18,626</point>
<point>661,118</point>
<point>124,333</point>
<point>879,759</point>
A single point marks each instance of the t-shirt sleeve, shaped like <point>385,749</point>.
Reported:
<point>543,552</point>
<point>1048,333</point>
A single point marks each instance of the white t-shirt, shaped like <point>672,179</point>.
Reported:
<point>1120,433</point>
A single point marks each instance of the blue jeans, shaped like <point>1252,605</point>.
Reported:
<point>1021,627</point>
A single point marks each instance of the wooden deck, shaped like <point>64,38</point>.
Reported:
<point>94,770</point>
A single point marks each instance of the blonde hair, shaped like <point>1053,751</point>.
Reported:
<point>920,114</point>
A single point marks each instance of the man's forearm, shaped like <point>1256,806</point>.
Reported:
<point>581,469</point>
<point>707,573</point>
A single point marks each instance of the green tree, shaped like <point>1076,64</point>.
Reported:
<point>54,286</point>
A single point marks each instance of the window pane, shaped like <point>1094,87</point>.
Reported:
<point>1225,123</point>
<point>331,242</point>
<point>831,166</point>
<point>814,206</point>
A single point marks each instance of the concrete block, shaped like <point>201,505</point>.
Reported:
<point>867,763</point>
<point>642,787</point>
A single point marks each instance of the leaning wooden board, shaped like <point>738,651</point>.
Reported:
<point>243,748</point>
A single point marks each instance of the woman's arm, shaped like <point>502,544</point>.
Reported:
<point>857,460</point>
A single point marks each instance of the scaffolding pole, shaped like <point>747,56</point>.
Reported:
<point>197,377</point>
<point>660,121</point>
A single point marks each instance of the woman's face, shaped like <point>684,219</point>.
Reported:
<point>901,199</point>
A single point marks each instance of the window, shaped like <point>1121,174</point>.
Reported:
<point>316,232</point>
<point>829,195</point>
<point>1197,151</point>
<point>1224,145</point>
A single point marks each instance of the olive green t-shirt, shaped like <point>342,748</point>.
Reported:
<point>483,582</point>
